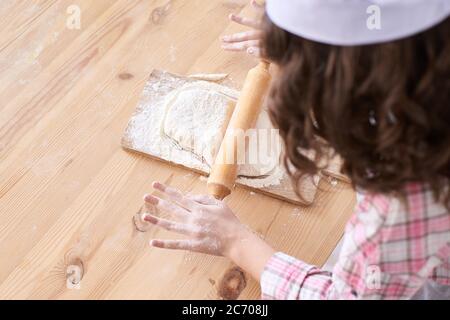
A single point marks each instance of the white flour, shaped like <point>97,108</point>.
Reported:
<point>144,131</point>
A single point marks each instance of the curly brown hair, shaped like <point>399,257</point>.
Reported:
<point>383,108</point>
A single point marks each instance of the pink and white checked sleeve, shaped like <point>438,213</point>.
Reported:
<point>286,278</point>
<point>389,252</point>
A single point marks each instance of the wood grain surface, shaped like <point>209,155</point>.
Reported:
<point>68,191</point>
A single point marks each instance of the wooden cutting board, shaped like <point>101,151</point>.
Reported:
<point>159,84</point>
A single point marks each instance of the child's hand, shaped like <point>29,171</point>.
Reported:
<point>248,41</point>
<point>210,226</point>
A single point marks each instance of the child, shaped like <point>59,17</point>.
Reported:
<point>379,95</point>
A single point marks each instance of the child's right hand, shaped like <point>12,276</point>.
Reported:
<point>209,227</point>
<point>248,41</point>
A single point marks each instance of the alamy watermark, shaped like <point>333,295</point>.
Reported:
<point>260,148</point>
<point>374,20</point>
<point>373,277</point>
<point>73,21</point>
<point>74,273</point>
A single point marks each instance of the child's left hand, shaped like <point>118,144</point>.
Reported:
<point>248,41</point>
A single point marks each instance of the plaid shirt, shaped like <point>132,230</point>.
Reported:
<point>390,251</point>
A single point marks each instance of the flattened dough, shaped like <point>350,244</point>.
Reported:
<point>196,118</point>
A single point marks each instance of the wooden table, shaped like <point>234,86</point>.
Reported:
<point>68,189</point>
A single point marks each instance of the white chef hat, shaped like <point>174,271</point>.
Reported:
<point>356,22</point>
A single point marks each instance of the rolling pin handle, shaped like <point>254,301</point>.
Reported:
<point>218,191</point>
<point>264,64</point>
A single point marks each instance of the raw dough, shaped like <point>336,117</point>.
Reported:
<point>196,118</point>
<point>215,77</point>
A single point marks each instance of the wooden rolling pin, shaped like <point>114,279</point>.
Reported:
<point>224,173</point>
